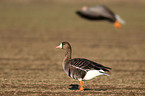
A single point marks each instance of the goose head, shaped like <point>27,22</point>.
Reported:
<point>64,45</point>
<point>84,8</point>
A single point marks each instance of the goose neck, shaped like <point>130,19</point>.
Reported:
<point>67,54</point>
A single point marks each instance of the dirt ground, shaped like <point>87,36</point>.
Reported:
<point>30,65</point>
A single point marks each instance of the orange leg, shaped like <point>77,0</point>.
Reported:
<point>117,24</point>
<point>81,88</point>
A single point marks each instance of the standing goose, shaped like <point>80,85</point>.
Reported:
<point>100,12</point>
<point>79,68</point>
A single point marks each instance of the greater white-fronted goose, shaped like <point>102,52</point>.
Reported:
<point>79,68</point>
<point>101,12</point>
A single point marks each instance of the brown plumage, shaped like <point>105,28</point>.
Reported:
<point>100,12</point>
<point>79,68</point>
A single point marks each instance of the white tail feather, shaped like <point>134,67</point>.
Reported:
<point>119,19</point>
<point>106,74</point>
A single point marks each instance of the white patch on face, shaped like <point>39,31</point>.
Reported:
<point>60,46</point>
<point>92,74</point>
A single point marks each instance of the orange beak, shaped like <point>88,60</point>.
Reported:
<point>117,24</point>
<point>58,47</point>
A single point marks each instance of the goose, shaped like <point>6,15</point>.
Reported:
<point>80,68</point>
<point>100,12</point>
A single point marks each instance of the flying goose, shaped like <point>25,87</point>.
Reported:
<point>101,12</point>
<point>80,68</point>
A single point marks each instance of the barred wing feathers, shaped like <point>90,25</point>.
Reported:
<point>78,67</point>
<point>86,64</point>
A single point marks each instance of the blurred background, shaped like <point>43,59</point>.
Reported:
<point>31,29</point>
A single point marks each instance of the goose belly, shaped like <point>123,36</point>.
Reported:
<point>75,73</point>
<point>92,74</point>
